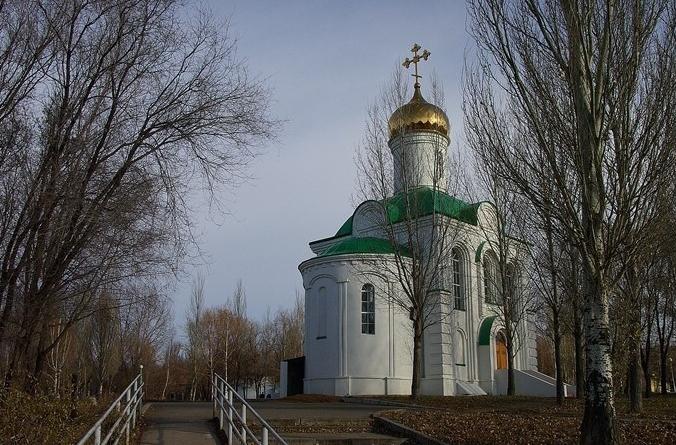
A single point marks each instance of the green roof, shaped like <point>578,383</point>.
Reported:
<point>345,229</point>
<point>364,245</point>
<point>424,201</point>
<point>485,330</point>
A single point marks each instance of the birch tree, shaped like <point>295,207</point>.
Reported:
<point>596,76</point>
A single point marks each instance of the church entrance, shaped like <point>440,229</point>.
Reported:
<point>500,351</point>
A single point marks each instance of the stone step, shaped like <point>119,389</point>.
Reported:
<point>313,421</point>
<point>342,439</point>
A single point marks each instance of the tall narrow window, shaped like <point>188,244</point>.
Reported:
<point>457,280</point>
<point>368,309</point>
<point>459,348</point>
<point>489,284</point>
<point>321,316</point>
<point>510,283</point>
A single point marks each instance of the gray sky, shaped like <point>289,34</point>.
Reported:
<point>325,61</point>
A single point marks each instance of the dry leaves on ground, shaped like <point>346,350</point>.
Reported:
<point>530,420</point>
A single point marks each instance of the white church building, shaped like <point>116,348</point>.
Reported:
<point>358,342</point>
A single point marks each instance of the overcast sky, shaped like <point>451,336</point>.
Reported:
<point>325,61</point>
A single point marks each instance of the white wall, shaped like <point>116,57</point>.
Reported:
<point>414,157</point>
<point>348,362</point>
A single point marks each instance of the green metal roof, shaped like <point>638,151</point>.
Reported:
<point>485,330</point>
<point>364,245</point>
<point>424,201</point>
<point>345,229</point>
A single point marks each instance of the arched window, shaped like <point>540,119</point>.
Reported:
<point>459,348</point>
<point>489,281</point>
<point>458,281</point>
<point>368,309</point>
<point>493,289</point>
<point>510,282</point>
<point>321,313</point>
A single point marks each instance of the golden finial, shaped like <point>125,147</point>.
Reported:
<point>416,58</point>
<point>418,114</point>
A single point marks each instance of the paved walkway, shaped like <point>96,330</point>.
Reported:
<point>178,423</point>
<point>187,423</point>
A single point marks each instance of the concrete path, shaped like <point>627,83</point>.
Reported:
<point>187,423</point>
<point>178,423</point>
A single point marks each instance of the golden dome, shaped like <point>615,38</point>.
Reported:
<point>418,114</point>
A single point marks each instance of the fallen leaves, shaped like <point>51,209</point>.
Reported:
<point>532,421</point>
<point>27,419</point>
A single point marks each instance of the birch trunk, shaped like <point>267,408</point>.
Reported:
<point>588,88</point>
<point>578,335</point>
<point>579,359</point>
<point>598,423</point>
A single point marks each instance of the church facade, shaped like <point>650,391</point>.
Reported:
<point>359,335</point>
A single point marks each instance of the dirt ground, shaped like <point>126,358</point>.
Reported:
<point>529,420</point>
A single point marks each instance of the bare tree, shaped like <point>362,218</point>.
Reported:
<point>103,335</point>
<point>665,312</point>
<point>58,357</point>
<point>505,288</point>
<point>590,74</point>
<point>171,356</point>
<point>136,103</point>
<point>195,333</point>
<point>547,271</point>
<point>570,274</point>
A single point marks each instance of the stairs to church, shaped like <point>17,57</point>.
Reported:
<point>333,436</point>
<point>342,439</point>
<point>468,389</point>
<point>531,383</point>
<point>323,423</point>
<point>331,431</point>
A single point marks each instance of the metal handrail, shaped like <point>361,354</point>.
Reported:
<point>222,396</point>
<point>126,420</point>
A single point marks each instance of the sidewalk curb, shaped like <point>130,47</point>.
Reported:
<point>380,402</point>
<point>398,428</point>
<point>146,406</point>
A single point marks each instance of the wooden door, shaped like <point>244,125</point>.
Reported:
<point>500,352</point>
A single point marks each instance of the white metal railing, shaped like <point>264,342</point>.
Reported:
<point>223,395</point>
<point>132,397</point>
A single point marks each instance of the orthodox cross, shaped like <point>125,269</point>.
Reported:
<point>416,58</point>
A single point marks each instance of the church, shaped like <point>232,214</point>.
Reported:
<point>358,328</point>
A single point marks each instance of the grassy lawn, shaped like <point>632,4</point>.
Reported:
<point>529,420</point>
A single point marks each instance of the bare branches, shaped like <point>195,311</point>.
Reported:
<point>561,106</point>
<point>137,103</point>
